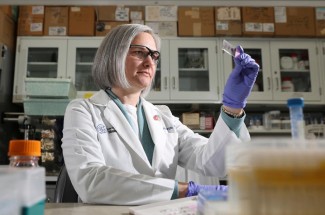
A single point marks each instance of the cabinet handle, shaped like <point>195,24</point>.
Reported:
<point>269,82</point>
<point>174,82</point>
<point>277,83</point>
<point>165,83</point>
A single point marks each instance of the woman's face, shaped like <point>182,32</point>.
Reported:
<point>140,70</point>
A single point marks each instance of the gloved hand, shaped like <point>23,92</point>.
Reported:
<point>241,80</point>
<point>194,189</point>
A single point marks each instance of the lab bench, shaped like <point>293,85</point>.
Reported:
<point>84,209</point>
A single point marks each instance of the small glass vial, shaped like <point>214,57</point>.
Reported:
<point>297,118</point>
<point>24,153</point>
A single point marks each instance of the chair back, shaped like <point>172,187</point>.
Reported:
<point>64,190</point>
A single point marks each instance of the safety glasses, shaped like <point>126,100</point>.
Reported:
<point>142,52</point>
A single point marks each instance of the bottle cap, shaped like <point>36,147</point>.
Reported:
<point>25,148</point>
<point>295,102</point>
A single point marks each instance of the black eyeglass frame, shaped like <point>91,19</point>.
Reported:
<point>151,52</point>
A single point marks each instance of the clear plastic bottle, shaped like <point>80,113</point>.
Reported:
<point>24,153</point>
<point>297,118</point>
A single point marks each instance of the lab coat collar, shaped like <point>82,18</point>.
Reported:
<point>100,98</point>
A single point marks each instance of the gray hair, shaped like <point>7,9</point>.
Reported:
<point>108,69</point>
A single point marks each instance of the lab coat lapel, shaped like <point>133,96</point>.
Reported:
<point>156,127</point>
<point>113,114</point>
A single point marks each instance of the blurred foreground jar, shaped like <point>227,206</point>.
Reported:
<point>24,153</point>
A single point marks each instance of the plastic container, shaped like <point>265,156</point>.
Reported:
<point>24,153</point>
<point>50,88</point>
<point>276,176</point>
<point>297,118</point>
<point>47,107</point>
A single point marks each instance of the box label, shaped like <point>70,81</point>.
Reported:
<point>280,14</point>
<point>122,14</point>
<point>136,15</point>
<point>37,10</point>
<point>320,13</point>
<point>36,27</point>
<point>161,13</point>
<point>254,27</point>
<point>228,13</point>
<point>57,31</point>
<point>222,25</point>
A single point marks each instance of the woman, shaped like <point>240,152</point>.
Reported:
<point>120,149</point>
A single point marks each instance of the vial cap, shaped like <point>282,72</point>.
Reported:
<point>25,147</point>
<point>295,102</point>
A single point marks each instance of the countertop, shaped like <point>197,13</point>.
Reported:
<point>84,209</point>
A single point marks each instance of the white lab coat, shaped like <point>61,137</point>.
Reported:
<point>106,161</point>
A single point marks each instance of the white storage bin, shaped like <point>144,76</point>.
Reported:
<point>50,88</point>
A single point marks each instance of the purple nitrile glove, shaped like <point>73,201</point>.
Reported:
<point>240,81</point>
<point>194,189</point>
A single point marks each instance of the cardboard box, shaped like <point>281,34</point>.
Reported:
<point>81,21</point>
<point>7,9</point>
<point>228,21</point>
<point>56,21</point>
<point>113,13</point>
<point>191,120</point>
<point>196,21</point>
<point>258,21</point>
<point>31,10</point>
<point>7,31</point>
<point>30,26</point>
<point>320,21</point>
<point>104,27</point>
<point>294,21</point>
<point>164,29</point>
<point>161,13</point>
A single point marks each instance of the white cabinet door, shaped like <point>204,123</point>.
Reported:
<point>81,53</point>
<point>259,50</point>
<point>193,70</point>
<point>160,89</point>
<point>296,62</point>
<point>38,57</point>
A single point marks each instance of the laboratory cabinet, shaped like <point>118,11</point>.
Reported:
<point>38,58</point>
<point>288,68</point>
<point>187,72</point>
<point>190,70</point>
<point>55,57</point>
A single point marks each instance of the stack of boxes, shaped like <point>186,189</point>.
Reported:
<point>162,19</point>
<point>56,21</point>
<point>196,21</point>
<point>228,21</point>
<point>258,21</point>
<point>173,21</point>
<point>109,17</point>
<point>31,20</point>
<point>81,21</point>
